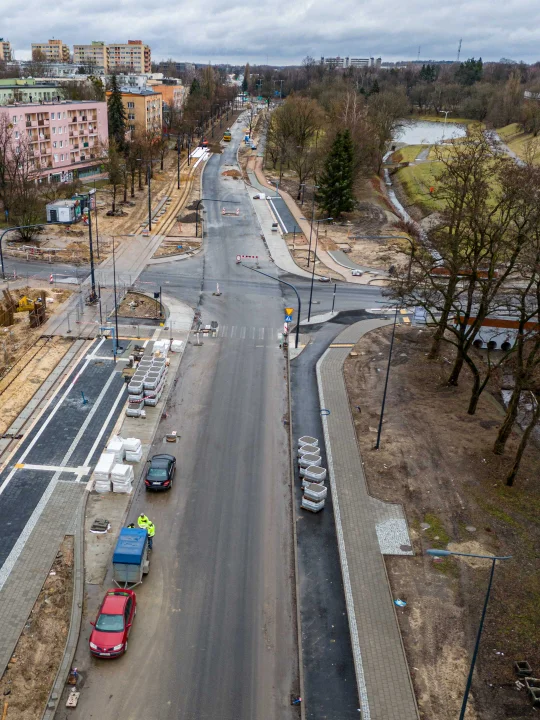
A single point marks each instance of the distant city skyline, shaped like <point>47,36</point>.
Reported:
<point>283,33</point>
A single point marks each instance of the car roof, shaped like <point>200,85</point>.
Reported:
<point>162,457</point>
<point>114,604</point>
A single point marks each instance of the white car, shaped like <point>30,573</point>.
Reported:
<point>356,273</point>
<point>323,278</point>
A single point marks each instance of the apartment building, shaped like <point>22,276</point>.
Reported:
<point>6,51</point>
<point>144,111</point>
<point>53,50</point>
<point>172,95</point>
<point>62,140</point>
<point>24,90</point>
<point>94,54</point>
<point>133,55</point>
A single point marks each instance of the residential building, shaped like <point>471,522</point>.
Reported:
<point>133,55</point>
<point>172,95</point>
<point>333,62</point>
<point>6,52</point>
<point>29,90</point>
<point>144,110</point>
<point>53,50</point>
<point>94,55</point>
<point>63,140</point>
<point>357,62</point>
<point>180,67</point>
<point>59,69</point>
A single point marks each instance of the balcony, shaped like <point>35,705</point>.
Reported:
<point>74,120</point>
<point>28,123</point>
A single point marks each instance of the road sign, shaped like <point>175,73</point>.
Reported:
<point>288,318</point>
<point>285,329</point>
<point>289,311</point>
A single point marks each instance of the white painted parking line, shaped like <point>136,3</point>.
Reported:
<point>233,331</point>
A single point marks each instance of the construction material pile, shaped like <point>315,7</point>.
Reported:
<point>312,474</point>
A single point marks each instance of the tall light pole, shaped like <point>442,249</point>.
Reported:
<point>314,187</point>
<point>93,296</point>
<point>96,215</point>
<point>379,429</point>
<point>445,113</point>
<point>178,162</point>
<point>314,258</point>
<point>493,558</point>
<point>149,200</point>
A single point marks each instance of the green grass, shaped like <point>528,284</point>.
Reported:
<point>436,532</point>
<point>440,118</point>
<point>408,153</point>
<point>519,141</point>
<point>416,181</point>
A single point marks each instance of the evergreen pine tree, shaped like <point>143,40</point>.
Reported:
<point>335,194</point>
<point>375,87</point>
<point>195,88</point>
<point>116,114</point>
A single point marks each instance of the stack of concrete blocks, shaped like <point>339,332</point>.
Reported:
<point>312,474</point>
<point>122,478</point>
<point>154,381</point>
<point>133,448</point>
<point>115,447</point>
<point>102,473</point>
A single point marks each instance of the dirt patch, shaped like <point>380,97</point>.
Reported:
<point>188,218</point>
<point>139,306</point>
<point>232,173</point>
<point>171,247</point>
<point>34,664</point>
<point>20,384</point>
<point>438,462</point>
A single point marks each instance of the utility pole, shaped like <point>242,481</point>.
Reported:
<point>149,201</point>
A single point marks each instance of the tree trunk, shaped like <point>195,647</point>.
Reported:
<point>140,178</point>
<point>162,158</point>
<point>522,445</point>
<point>114,199</point>
<point>132,194</point>
<point>441,327</point>
<point>456,370</point>
<point>475,394</point>
<point>509,420</point>
<point>125,188</point>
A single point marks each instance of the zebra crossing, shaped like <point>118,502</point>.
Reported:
<point>259,335</point>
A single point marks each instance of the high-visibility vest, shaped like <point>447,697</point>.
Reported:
<point>151,529</point>
<point>143,521</point>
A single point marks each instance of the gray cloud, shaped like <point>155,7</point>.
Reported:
<point>285,31</point>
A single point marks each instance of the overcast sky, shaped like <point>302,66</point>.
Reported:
<point>285,31</point>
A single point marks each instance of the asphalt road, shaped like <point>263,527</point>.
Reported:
<point>215,632</point>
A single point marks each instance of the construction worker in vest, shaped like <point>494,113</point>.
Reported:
<point>148,525</point>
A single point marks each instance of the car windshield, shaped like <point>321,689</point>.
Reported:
<point>156,473</point>
<point>110,623</point>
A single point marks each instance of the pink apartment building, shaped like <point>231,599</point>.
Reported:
<point>65,139</point>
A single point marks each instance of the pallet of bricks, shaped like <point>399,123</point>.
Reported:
<point>147,383</point>
<point>111,472</point>
<point>312,474</point>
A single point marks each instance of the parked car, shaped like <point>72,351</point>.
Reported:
<point>323,278</point>
<point>275,227</point>
<point>109,638</point>
<point>160,473</point>
<point>357,273</point>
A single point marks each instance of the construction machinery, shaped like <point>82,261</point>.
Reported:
<point>36,309</point>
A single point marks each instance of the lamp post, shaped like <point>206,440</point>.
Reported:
<point>445,113</point>
<point>93,296</point>
<point>314,187</point>
<point>178,162</point>
<point>313,268</point>
<point>493,558</point>
<point>379,429</point>
<point>149,194</point>
<point>96,216</point>
<point>116,348</point>
<point>297,331</point>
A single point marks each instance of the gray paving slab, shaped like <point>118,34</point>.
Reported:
<point>366,527</point>
<point>19,593</point>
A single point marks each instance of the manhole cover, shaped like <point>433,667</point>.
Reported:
<point>405,548</point>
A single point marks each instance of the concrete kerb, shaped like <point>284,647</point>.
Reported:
<point>174,258</point>
<point>295,547</point>
<point>76,614</point>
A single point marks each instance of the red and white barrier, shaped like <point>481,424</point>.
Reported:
<point>230,212</point>
<point>239,258</point>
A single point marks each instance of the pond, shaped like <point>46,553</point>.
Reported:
<point>423,132</point>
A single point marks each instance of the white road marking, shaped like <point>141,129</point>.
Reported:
<point>242,333</point>
<point>105,425</point>
<point>48,420</point>
<point>261,333</point>
<point>13,556</point>
<point>233,331</point>
<point>81,470</point>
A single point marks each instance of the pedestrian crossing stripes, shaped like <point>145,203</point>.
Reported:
<point>264,335</point>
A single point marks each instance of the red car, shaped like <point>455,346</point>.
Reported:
<point>109,637</point>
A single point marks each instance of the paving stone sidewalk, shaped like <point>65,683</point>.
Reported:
<point>366,528</point>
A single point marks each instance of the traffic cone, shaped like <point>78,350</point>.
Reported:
<point>51,279</point>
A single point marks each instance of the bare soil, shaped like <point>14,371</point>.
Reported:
<point>145,307</point>
<point>170,247</point>
<point>438,462</point>
<point>34,664</point>
<point>19,337</point>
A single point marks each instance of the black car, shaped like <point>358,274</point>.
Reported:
<point>160,473</point>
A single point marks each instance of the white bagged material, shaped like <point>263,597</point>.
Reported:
<point>122,488</point>
<point>308,504</point>
<point>314,473</point>
<point>315,492</point>
<point>177,345</point>
<point>116,446</point>
<point>104,465</point>
<point>134,411</point>
<point>161,348</point>
<point>132,444</point>
<point>102,486</point>
<point>307,460</point>
<point>134,455</point>
<point>122,473</point>
<point>309,449</point>
<point>307,440</point>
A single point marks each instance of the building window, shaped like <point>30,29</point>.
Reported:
<point>62,158</point>
<point>16,134</point>
<point>64,115</point>
<point>52,116</point>
<point>61,143</point>
<point>54,131</point>
<point>131,116</point>
<point>54,144</point>
<point>60,130</point>
<point>131,105</point>
<point>56,158</point>
<point>15,119</point>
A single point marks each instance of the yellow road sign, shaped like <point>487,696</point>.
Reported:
<point>289,311</point>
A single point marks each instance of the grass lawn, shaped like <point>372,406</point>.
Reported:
<point>408,153</point>
<point>416,181</point>
<point>440,118</point>
<point>518,141</point>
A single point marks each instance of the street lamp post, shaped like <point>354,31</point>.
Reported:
<point>178,163</point>
<point>93,297</point>
<point>445,113</point>
<point>289,285</point>
<point>96,215</point>
<point>149,200</point>
<point>493,558</point>
<point>313,268</point>
<point>379,429</point>
<point>315,187</point>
